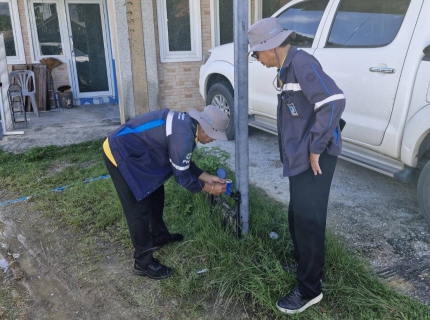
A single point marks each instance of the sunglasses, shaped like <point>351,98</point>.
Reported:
<point>255,55</point>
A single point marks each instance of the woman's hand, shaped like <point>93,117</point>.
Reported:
<point>314,160</point>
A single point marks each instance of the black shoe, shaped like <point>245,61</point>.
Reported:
<point>154,270</point>
<point>295,303</point>
<point>172,237</point>
<point>289,267</point>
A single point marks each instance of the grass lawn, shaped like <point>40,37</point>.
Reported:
<point>245,273</point>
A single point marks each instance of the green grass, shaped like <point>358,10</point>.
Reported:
<point>245,273</point>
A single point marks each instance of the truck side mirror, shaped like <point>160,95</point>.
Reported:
<point>427,50</point>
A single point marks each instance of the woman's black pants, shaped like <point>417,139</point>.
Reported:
<point>307,213</point>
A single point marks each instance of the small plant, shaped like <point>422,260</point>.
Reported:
<point>210,160</point>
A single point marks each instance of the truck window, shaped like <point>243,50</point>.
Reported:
<point>269,7</point>
<point>304,18</point>
<point>370,23</point>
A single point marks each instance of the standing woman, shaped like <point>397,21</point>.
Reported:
<point>309,109</point>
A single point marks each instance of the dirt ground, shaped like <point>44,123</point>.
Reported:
<point>54,273</point>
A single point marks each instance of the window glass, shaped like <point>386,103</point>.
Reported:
<point>269,7</point>
<point>178,25</point>
<point>367,23</point>
<point>225,21</point>
<point>6,29</point>
<point>48,29</point>
<point>303,18</point>
<point>88,46</point>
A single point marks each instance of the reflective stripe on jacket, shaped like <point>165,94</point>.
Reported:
<point>152,147</point>
<point>309,109</point>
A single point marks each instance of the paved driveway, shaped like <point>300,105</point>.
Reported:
<point>377,216</point>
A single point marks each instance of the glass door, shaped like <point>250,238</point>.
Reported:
<point>90,60</point>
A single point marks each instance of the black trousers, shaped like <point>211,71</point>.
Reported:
<point>307,213</point>
<point>144,218</point>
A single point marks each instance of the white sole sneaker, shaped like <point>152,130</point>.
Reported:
<point>307,305</point>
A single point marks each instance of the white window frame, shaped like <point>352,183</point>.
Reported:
<point>17,35</point>
<point>34,42</point>
<point>215,30</point>
<point>258,13</point>
<point>195,54</point>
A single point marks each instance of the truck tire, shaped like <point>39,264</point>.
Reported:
<point>423,191</point>
<point>221,95</point>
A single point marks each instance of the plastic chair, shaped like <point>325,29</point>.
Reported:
<point>22,78</point>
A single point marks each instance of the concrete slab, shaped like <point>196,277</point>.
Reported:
<point>63,127</point>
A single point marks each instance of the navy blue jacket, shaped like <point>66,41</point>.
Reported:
<point>309,109</point>
<point>152,147</point>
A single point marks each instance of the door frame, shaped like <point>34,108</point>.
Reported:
<point>108,58</point>
<point>67,56</point>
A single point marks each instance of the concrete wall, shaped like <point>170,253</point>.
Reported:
<point>135,31</point>
<point>118,23</point>
<point>150,53</point>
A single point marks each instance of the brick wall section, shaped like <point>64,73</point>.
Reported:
<point>60,74</point>
<point>179,81</point>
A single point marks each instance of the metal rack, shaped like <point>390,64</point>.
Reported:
<point>16,105</point>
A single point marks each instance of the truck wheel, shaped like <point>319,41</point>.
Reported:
<point>221,95</point>
<point>423,191</point>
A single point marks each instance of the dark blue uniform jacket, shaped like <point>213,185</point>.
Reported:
<point>309,109</point>
<point>152,147</point>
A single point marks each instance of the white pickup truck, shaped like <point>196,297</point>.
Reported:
<point>378,52</point>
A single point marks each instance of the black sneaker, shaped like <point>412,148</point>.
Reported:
<point>295,303</point>
<point>289,267</point>
<point>172,237</point>
<point>154,270</point>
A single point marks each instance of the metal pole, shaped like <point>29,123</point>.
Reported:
<point>240,14</point>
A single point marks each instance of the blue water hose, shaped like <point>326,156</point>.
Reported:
<point>54,190</point>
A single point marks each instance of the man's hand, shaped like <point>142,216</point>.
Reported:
<point>314,160</point>
<point>213,184</point>
<point>215,188</point>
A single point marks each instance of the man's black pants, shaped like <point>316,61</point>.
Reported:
<point>144,218</point>
<point>307,213</point>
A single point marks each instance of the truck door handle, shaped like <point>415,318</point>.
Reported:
<point>383,70</point>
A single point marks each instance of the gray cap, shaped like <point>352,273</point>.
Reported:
<point>213,120</point>
<point>267,34</point>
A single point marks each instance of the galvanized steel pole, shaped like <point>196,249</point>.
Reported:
<point>240,14</point>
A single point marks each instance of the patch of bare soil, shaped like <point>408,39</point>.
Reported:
<point>54,273</point>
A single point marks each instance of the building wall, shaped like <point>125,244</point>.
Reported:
<point>134,15</point>
<point>179,81</point>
